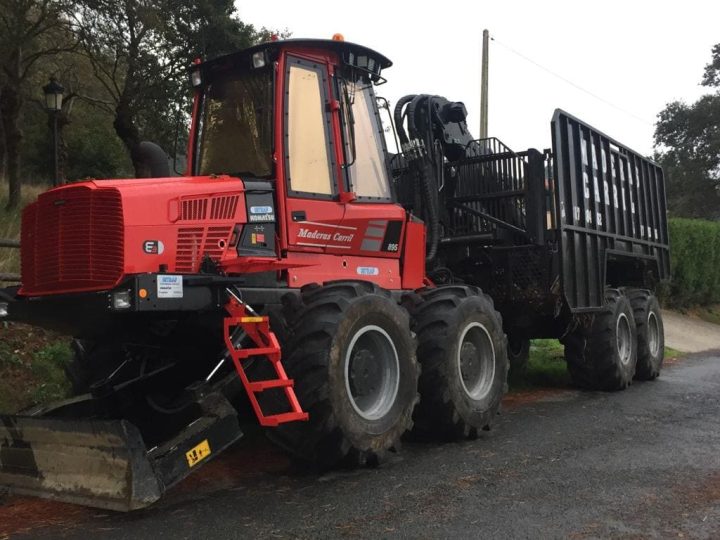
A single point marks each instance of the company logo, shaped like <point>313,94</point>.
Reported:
<point>313,235</point>
<point>153,247</point>
<point>261,213</point>
<point>319,235</point>
<point>368,270</point>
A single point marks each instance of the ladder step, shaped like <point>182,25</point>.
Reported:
<point>264,343</point>
<point>259,351</point>
<point>276,419</point>
<point>259,386</point>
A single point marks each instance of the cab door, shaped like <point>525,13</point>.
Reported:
<point>314,214</point>
<point>370,211</point>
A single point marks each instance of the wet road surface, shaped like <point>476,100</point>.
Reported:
<point>643,463</point>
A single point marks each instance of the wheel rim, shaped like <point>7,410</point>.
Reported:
<point>623,338</point>
<point>653,332</point>
<point>372,372</point>
<point>476,361</point>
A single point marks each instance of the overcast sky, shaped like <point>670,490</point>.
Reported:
<point>637,55</point>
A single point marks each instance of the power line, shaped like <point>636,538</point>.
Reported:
<point>571,83</point>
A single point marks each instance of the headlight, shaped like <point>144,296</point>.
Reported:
<point>196,77</point>
<point>121,300</point>
<point>258,59</point>
<point>3,309</point>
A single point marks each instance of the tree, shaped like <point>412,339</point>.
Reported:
<point>88,145</point>
<point>140,51</point>
<point>29,31</point>
<point>688,141</point>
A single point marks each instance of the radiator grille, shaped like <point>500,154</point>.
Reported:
<point>193,243</point>
<point>194,209</point>
<point>72,240</point>
<point>221,207</point>
<point>224,207</point>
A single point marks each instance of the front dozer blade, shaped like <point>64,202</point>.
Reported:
<point>106,463</point>
<point>94,463</point>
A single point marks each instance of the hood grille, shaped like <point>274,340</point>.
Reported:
<point>72,240</point>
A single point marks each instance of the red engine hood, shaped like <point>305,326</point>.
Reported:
<point>89,235</point>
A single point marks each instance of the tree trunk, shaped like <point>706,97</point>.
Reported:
<point>10,108</point>
<point>3,148</point>
<point>128,132</point>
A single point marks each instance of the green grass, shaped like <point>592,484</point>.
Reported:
<point>32,367</point>
<point>547,368</point>
<point>48,368</point>
<point>709,314</point>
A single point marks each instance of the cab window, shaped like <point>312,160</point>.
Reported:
<point>308,155</point>
<point>235,129</point>
<point>364,150</point>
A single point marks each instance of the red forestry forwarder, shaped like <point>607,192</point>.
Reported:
<point>301,272</point>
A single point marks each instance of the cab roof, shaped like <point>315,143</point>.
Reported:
<point>344,49</point>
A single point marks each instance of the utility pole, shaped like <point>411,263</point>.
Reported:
<point>484,86</point>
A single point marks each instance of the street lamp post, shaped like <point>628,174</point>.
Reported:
<point>53,105</point>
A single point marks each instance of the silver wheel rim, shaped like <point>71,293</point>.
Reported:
<point>653,336</point>
<point>476,361</point>
<point>623,339</point>
<point>372,372</point>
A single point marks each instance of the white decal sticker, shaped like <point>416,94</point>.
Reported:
<point>368,270</point>
<point>256,218</point>
<point>169,286</point>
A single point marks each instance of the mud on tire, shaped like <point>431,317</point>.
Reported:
<point>463,353</point>
<point>349,349</point>
<point>603,356</point>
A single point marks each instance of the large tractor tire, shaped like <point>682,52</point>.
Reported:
<point>604,356</point>
<point>650,333</point>
<point>463,353</point>
<point>350,351</point>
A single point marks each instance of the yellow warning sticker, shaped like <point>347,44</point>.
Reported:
<point>197,454</point>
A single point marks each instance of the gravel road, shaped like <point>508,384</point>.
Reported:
<point>560,463</point>
<point>690,334</point>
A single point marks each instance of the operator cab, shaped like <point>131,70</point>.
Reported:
<point>302,115</point>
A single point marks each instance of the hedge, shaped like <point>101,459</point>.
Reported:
<point>694,262</point>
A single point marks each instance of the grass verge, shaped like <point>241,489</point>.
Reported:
<point>547,368</point>
<point>709,313</point>
<point>32,367</point>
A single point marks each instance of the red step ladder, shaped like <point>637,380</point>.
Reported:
<point>265,344</point>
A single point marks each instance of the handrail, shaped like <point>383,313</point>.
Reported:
<point>12,244</point>
<point>9,243</point>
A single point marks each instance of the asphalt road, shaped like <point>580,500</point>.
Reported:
<point>559,463</point>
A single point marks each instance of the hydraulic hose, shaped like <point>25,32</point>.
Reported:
<point>398,117</point>
<point>422,164</point>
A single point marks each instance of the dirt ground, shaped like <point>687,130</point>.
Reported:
<point>690,334</point>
